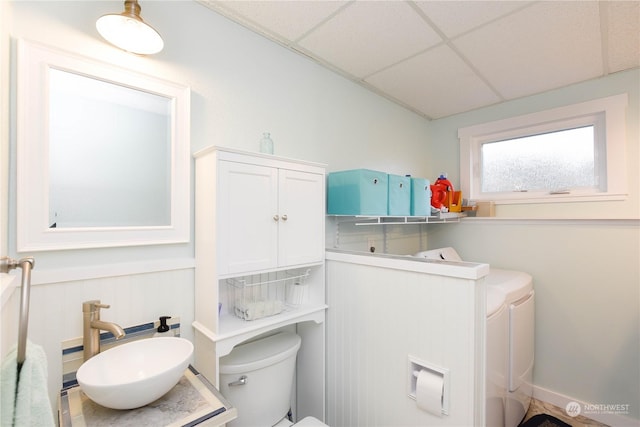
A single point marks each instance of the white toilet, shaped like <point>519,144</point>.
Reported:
<point>516,288</point>
<point>257,378</point>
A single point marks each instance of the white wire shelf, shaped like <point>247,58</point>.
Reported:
<point>403,220</point>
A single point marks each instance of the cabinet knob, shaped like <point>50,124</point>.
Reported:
<point>284,217</point>
<point>276,218</point>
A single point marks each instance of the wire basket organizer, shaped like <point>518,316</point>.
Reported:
<point>261,295</point>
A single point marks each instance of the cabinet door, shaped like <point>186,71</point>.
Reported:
<point>247,231</point>
<point>302,208</point>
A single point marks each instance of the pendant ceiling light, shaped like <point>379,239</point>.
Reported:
<point>129,32</point>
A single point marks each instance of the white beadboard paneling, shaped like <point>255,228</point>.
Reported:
<point>9,312</point>
<point>377,317</point>
<point>56,309</point>
<point>8,284</point>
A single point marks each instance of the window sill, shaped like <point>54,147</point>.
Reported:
<point>559,198</point>
<point>634,222</point>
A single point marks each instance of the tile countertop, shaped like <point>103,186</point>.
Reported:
<point>193,401</point>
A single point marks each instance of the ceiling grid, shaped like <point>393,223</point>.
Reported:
<point>439,58</point>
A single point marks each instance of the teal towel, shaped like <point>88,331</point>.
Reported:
<point>32,405</point>
<point>8,381</point>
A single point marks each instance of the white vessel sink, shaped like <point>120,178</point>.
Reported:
<point>135,374</point>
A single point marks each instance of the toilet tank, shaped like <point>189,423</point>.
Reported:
<point>257,378</point>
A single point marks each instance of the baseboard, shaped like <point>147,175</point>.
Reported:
<point>610,414</point>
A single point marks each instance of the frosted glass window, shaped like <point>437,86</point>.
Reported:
<point>552,161</point>
<point>570,153</point>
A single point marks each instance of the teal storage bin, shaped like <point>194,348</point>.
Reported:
<point>357,192</point>
<point>420,197</point>
<point>399,201</point>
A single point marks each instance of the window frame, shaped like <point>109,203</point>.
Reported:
<point>608,115</point>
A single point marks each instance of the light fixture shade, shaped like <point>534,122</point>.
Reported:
<point>129,32</point>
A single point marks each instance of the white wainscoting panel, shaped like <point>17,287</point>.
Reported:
<point>377,317</point>
<point>55,314</point>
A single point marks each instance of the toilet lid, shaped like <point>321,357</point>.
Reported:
<point>260,353</point>
<point>310,422</point>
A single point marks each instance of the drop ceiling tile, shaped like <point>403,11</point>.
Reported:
<point>437,83</point>
<point>370,35</point>
<point>288,19</point>
<point>545,46</point>
<point>456,17</point>
<point>624,34</point>
<point>518,47</point>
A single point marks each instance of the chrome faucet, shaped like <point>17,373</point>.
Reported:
<point>92,326</point>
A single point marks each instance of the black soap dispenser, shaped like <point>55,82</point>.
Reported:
<point>163,328</point>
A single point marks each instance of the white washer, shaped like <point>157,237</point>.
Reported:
<point>496,363</point>
<point>517,288</point>
<point>520,301</point>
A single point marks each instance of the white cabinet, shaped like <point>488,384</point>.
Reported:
<point>302,207</point>
<point>269,217</point>
<point>258,217</point>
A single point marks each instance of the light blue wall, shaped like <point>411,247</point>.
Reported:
<point>444,146</point>
<point>243,85</point>
<point>586,273</point>
<point>586,276</point>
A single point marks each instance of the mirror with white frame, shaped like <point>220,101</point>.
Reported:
<point>103,154</point>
